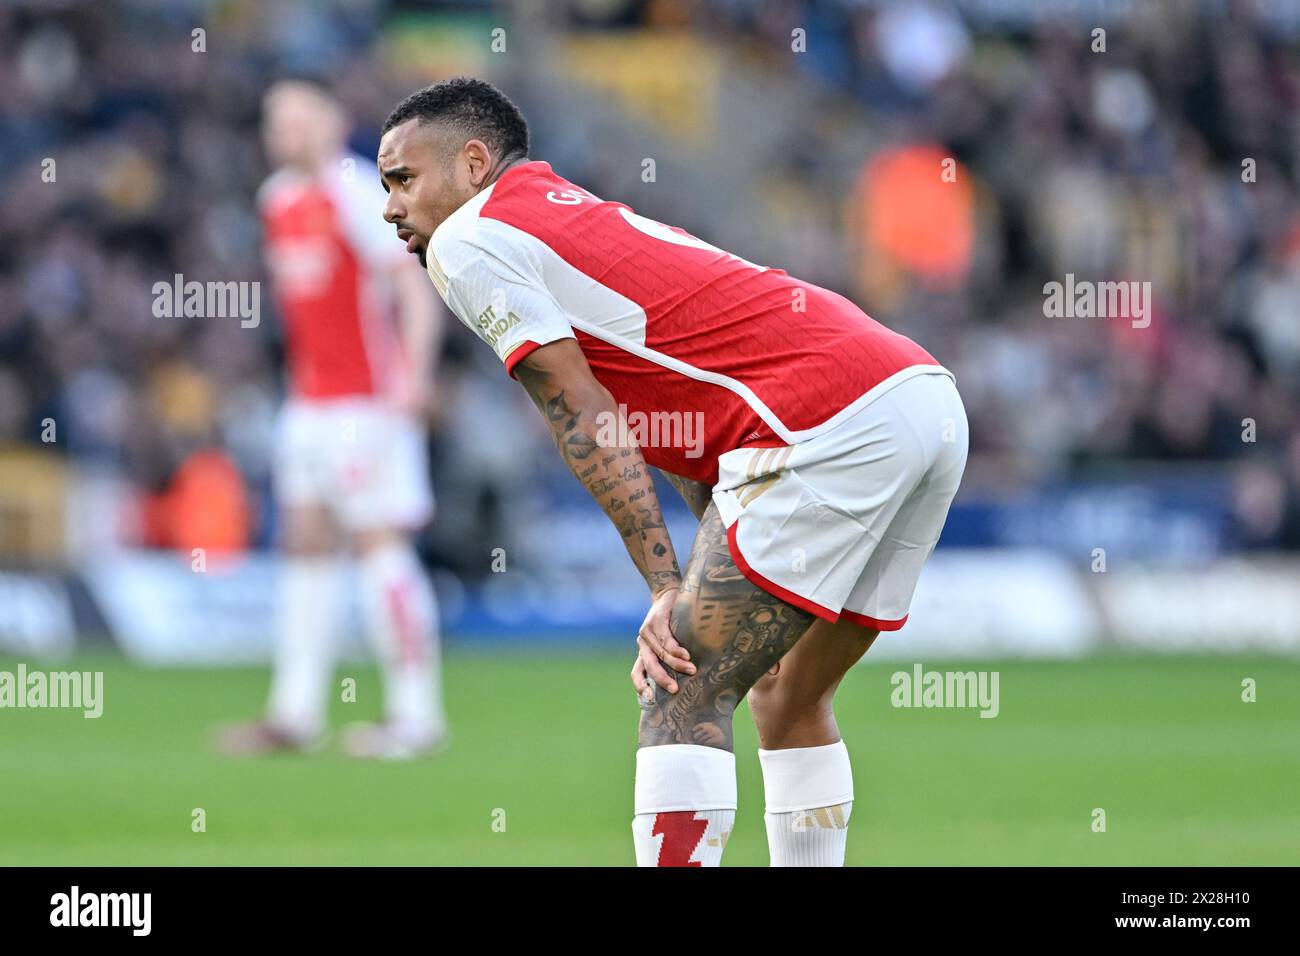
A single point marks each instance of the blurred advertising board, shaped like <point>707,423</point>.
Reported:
<point>972,604</point>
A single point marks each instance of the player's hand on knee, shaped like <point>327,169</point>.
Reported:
<point>645,688</point>
<point>648,672</point>
<point>658,650</point>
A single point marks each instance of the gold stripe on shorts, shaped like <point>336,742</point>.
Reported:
<point>768,471</point>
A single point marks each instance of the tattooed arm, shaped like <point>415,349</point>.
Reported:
<point>575,406</point>
<point>696,494</point>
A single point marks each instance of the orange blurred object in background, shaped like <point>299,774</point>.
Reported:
<point>917,209</point>
<point>206,506</point>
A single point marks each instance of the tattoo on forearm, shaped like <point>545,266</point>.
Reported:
<point>618,480</point>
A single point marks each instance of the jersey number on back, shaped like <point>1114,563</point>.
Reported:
<point>657,230</point>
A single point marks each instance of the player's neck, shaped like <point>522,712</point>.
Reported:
<point>509,164</point>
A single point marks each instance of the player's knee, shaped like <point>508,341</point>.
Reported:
<point>764,688</point>
<point>765,697</point>
<point>777,703</point>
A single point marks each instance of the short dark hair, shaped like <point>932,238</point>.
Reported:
<point>474,107</point>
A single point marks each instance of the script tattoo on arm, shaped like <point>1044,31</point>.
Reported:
<point>617,477</point>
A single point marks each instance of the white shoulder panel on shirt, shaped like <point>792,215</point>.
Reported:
<point>463,244</point>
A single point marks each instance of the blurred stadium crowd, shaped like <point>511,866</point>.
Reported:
<point>1171,156</point>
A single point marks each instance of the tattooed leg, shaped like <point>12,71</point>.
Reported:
<point>735,632</point>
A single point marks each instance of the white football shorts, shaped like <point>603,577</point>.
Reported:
<point>841,524</point>
<point>364,461</point>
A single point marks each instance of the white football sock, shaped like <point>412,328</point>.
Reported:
<point>809,794</point>
<point>303,657</point>
<point>685,805</point>
<point>402,620</point>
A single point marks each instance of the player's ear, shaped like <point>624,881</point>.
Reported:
<point>479,159</point>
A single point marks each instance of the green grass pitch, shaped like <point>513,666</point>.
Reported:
<point>541,765</point>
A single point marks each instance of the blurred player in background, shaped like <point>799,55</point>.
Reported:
<point>831,448</point>
<point>350,458</point>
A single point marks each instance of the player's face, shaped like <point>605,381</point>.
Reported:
<point>426,182</point>
<point>300,127</point>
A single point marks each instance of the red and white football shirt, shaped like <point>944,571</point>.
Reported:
<point>326,246</point>
<point>668,323</point>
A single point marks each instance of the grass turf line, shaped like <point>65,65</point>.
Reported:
<point>1187,773</point>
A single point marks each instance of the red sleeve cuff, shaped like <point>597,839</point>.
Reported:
<point>519,353</point>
